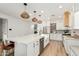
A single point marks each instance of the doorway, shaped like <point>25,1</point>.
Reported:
<point>3,33</point>
<point>52,27</point>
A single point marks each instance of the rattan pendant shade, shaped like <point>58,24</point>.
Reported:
<point>34,19</point>
<point>24,14</point>
<point>39,22</point>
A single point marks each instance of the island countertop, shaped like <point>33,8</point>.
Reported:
<point>73,37</point>
<point>26,39</point>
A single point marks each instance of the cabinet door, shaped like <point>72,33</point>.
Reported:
<point>76,20</point>
<point>51,36</point>
<point>36,48</point>
<point>33,49</point>
<point>20,49</point>
<point>30,49</point>
<point>46,41</point>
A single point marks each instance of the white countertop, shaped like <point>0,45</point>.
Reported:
<point>26,39</point>
<point>75,50</point>
<point>46,36</point>
<point>72,37</point>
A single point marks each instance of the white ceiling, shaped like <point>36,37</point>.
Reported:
<point>49,9</point>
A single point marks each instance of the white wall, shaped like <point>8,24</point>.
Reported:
<point>76,20</point>
<point>19,27</point>
<point>59,23</point>
<point>0,28</point>
<point>75,23</point>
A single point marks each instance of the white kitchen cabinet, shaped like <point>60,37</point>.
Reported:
<point>76,20</point>
<point>72,53</point>
<point>36,49</point>
<point>66,44</point>
<point>56,36</point>
<point>31,49</point>
<point>20,49</point>
<point>68,41</point>
<point>46,41</point>
<point>51,36</point>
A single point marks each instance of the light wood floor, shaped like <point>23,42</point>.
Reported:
<point>55,48</point>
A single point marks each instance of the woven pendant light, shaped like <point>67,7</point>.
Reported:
<point>39,22</point>
<point>24,15</point>
<point>34,19</point>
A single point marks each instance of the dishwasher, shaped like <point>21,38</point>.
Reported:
<point>41,45</point>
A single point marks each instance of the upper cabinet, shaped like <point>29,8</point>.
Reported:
<point>66,18</point>
<point>76,20</point>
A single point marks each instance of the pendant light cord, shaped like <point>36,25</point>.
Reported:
<point>25,4</point>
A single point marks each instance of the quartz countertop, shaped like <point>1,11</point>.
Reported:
<point>73,37</point>
<point>46,36</point>
<point>26,39</point>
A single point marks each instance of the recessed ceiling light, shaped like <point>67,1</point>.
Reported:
<point>42,11</point>
<point>60,6</point>
<point>59,16</point>
<point>39,15</point>
<point>34,11</point>
<point>48,18</point>
<point>30,14</point>
<point>52,15</point>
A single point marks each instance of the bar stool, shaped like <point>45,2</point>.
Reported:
<point>9,49</point>
<point>8,46</point>
<point>1,48</point>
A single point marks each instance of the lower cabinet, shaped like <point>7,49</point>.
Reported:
<point>36,48</point>
<point>56,36</point>
<point>31,49</point>
<point>20,49</point>
<point>46,41</point>
<point>72,53</point>
<point>68,42</point>
<point>52,36</point>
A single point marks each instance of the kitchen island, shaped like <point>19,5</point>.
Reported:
<point>27,45</point>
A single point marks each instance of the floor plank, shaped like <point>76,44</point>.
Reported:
<point>55,48</point>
